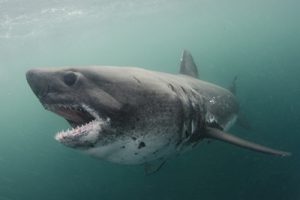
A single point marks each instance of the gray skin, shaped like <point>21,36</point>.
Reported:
<point>142,116</point>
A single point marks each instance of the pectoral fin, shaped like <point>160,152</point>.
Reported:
<point>222,136</point>
<point>154,166</point>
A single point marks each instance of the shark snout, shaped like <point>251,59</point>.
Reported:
<point>37,82</point>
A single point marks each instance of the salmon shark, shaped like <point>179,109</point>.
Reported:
<point>129,115</point>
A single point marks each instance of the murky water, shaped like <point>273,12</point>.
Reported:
<point>259,41</point>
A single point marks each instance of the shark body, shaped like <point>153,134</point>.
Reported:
<point>130,115</point>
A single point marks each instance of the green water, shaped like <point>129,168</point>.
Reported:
<point>257,40</point>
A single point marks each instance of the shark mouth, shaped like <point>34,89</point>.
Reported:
<point>86,125</point>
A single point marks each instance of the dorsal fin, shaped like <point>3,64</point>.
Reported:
<point>187,65</point>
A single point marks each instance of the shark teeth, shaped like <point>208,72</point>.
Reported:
<point>86,123</point>
<point>85,134</point>
<point>76,131</point>
<point>91,111</point>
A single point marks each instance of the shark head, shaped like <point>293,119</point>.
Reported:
<point>66,92</point>
<point>107,107</point>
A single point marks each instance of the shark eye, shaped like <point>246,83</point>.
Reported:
<point>70,78</point>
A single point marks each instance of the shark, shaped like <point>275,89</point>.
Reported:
<point>135,116</point>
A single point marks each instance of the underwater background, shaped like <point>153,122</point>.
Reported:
<point>259,41</point>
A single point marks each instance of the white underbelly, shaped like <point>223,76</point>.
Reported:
<point>138,151</point>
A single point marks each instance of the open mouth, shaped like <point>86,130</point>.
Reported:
<point>76,115</point>
<point>86,124</point>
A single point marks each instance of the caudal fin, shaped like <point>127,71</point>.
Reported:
<point>222,136</point>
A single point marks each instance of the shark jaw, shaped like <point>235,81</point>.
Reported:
<point>86,124</point>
